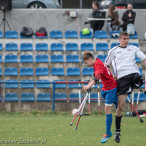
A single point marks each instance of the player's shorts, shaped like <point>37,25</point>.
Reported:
<point>110,96</point>
<point>129,82</point>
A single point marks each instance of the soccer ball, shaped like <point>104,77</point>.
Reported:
<point>74,111</point>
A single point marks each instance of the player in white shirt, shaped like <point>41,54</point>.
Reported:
<point>127,73</point>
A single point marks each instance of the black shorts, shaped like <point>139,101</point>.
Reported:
<point>129,82</point>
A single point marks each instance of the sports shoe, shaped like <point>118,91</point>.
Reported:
<point>106,137</point>
<point>117,136</point>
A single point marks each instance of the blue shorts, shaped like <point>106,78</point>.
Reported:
<point>110,96</point>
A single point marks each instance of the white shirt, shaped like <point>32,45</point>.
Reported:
<point>123,60</point>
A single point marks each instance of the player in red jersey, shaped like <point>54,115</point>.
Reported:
<point>109,90</point>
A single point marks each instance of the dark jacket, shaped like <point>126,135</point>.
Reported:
<point>128,20</point>
<point>115,18</point>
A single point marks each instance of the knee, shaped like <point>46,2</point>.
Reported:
<point>107,110</point>
<point>121,106</point>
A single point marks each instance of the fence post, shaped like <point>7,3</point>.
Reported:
<point>53,107</point>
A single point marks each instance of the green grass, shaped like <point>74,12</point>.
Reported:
<point>56,129</point>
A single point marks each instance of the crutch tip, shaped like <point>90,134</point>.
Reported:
<point>75,128</point>
<point>71,123</point>
<point>141,120</point>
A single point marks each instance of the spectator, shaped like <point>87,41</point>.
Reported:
<point>128,17</point>
<point>96,13</point>
<point>114,23</point>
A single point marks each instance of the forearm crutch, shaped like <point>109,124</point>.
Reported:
<point>98,99</point>
<point>137,100</point>
<point>141,120</point>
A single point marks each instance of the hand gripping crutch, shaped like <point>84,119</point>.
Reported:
<point>141,120</point>
<point>81,108</point>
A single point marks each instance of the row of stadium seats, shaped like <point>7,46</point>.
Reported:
<point>29,97</point>
<point>59,46</point>
<point>71,34</point>
<point>44,71</point>
<point>42,58</point>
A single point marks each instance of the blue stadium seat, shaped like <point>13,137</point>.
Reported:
<point>134,44</point>
<point>140,69</point>
<point>101,34</point>
<point>71,34</point>
<point>60,97</point>
<point>142,97</point>
<point>74,97</point>
<point>11,85</point>
<point>1,47</point>
<point>143,86</point>
<point>87,46</point>
<point>0,72</point>
<point>114,45</point>
<point>25,37</point>
<point>11,58</point>
<point>114,32</point>
<point>41,47</point>
<point>73,71</point>
<point>102,57</point>
<point>11,71</point>
<point>88,36</point>
<point>56,34</point>
<point>87,71</point>
<point>72,58</point>
<point>43,97</point>
<point>102,47</point>
<point>42,58</point>
<point>72,47</point>
<point>57,71</point>
<point>135,36</point>
<point>93,97</point>
<point>43,84</point>
<point>30,85</point>
<point>1,34</point>
<point>74,85</point>
<point>129,96</point>
<point>137,60</point>
<point>27,97</point>
<point>11,34</point>
<point>57,58</point>
<point>42,71</point>
<point>1,59</point>
<point>26,59</point>
<point>60,85</point>
<point>11,97</point>
<point>26,47</point>
<point>26,71</point>
<point>56,47</point>
<point>11,47</point>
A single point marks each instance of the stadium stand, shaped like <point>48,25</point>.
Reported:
<point>56,34</point>
<point>25,37</point>
<point>11,97</point>
<point>87,46</point>
<point>26,59</point>
<point>11,58</point>
<point>1,34</point>
<point>102,57</point>
<point>135,36</point>
<point>74,85</point>
<point>87,71</point>
<point>42,71</point>
<point>72,47</point>
<point>138,60</point>
<point>0,72</point>
<point>42,58</point>
<point>27,97</point>
<point>74,97</point>
<point>30,85</point>
<point>72,58</point>
<point>88,36</point>
<point>11,71</point>
<point>26,47</point>
<point>43,85</point>
<point>74,71</point>
<point>11,47</point>
<point>57,71</point>
<point>43,97</point>
<point>134,44</point>
<point>26,71</point>
<point>41,47</point>
<point>11,85</point>
<point>94,97</point>
<point>71,34</point>
<point>60,97</point>
<point>114,44</point>
<point>60,85</point>
<point>101,34</point>
<point>114,34</point>
<point>56,47</point>
<point>1,47</point>
<point>141,97</point>
<point>1,59</point>
<point>102,47</point>
<point>140,69</point>
<point>11,34</point>
<point>57,58</point>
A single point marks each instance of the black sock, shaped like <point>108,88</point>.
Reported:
<point>118,123</point>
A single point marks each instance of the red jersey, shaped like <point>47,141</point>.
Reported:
<point>107,79</point>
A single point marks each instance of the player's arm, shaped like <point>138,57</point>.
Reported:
<point>110,57</point>
<point>92,82</point>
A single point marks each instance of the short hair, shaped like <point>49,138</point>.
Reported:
<point>130,4</point>
<point>123,34</point>
<point>96,3</point>
<point>87,55</point>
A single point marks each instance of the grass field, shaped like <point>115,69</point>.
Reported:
<point>54,130</point>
